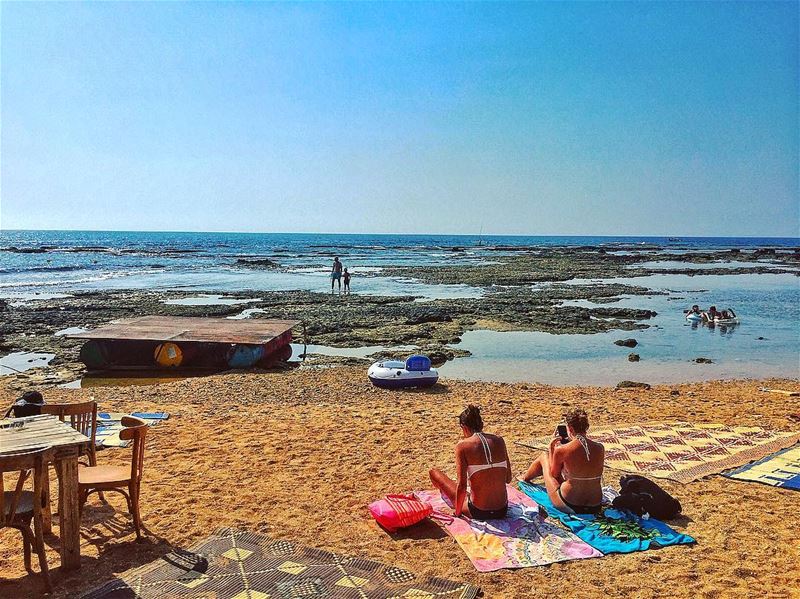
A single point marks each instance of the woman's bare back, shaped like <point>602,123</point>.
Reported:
<point>488,485</point>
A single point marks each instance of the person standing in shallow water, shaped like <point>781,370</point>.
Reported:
<point>336,273</point>
<point>346,277</point>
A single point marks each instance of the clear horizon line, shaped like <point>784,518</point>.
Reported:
<point>479,235</point>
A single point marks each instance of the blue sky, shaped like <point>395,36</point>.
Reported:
<point>526,118</point>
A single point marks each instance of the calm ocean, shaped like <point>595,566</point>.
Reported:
<point>49,263</point>
<point>76,260</point>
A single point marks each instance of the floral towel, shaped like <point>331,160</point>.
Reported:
<point>521,540</point>
<point>612,531</point>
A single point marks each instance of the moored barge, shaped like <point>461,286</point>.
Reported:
<point>180,342</point>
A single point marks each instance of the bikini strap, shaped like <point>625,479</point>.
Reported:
<point>582,440</point>
<point>486,451</point>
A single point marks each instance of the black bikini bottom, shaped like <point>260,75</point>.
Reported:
<point>479,514</point>
<point>579,509</point>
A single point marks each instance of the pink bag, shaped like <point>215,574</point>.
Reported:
<point>397,511</point>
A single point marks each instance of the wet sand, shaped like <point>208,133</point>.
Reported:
<point>299,454</point>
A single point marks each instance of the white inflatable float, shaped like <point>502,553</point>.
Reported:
<point>695,317</point>
<point>416,371</point>
<point>726,321</point>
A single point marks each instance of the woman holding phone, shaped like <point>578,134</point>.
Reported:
<point>572,467</point>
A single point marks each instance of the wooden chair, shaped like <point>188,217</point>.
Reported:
<point>82,417</point>
<point>117,478</point>
<point>19,507</point>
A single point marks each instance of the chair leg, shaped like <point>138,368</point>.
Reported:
<point>27,541</point>
<point>137,519</point>
<point>128,500</point>
<point>93,462</point>
<point>39,536</point>
<point>83,495</point>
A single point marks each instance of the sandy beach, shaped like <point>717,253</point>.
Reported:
<point>300,453</point>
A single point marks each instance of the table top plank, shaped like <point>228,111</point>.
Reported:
<point>39,431</point>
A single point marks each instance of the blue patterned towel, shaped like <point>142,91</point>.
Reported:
<point>612,531</point>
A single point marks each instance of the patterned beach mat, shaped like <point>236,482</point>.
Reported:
<point>523,539</point>
<point>681,451</point>
<point>778,470</point>
<point>239,565</point>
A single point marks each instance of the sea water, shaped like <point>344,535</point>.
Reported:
<point>767,304</point>
<point>766,343</point>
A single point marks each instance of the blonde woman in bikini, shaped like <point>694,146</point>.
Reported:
<point>572,468</point>
<point>482,468</point>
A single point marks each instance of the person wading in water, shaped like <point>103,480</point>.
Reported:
<point>336,273</point>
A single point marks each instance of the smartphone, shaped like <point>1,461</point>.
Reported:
<point>562,432</point>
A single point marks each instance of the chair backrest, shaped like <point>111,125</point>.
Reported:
<point>135,429</point>
<point>24,462</point>
<point>81,416</point>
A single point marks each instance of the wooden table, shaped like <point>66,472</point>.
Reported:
<point>66,446</point>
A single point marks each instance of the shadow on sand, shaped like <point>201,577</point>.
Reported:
<point>102,527</point>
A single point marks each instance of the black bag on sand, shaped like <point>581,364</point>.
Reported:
<point>30,404</point>
<point>641,495</point>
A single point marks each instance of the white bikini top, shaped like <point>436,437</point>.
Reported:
<point>473,468</point>
<point>567,476</point>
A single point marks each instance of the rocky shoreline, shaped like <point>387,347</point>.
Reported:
<point>340,321</point>
<point>524,290</point>
<point>527,266</point>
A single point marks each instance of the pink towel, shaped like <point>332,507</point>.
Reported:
<point>520,540</point>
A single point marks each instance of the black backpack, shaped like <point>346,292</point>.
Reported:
<point>641,495</point>
<point>30,404</point>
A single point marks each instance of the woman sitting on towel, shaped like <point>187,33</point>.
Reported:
<point>482,471</point>
<point>572,468</point>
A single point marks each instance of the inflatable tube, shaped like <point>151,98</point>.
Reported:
<point>397,375</point>
<point>724,321</point>
<point>168,355</point>
<point>691,317</point>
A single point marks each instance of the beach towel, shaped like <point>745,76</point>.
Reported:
<point>681,451</point>
<point>611,531</point>
<point>109,425</point>
<point>117,416</point>
<point>522,539</point>
<point>151,415</point>
<point>780,469</point>
<point>232,564</point>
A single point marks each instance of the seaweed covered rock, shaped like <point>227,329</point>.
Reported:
<point>632,385</point>
<point>418,315</point>
<point>257,263</point>
<point>626,342</point>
